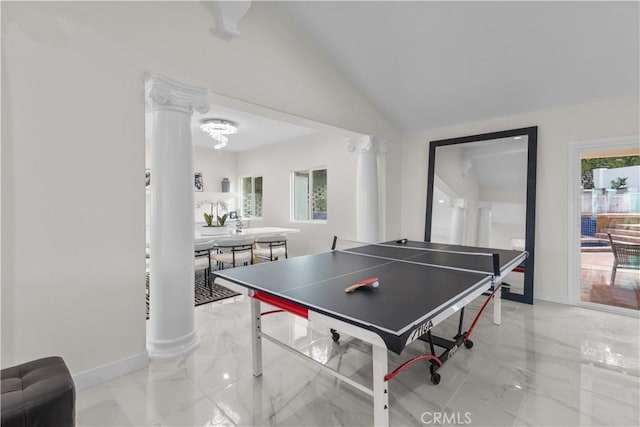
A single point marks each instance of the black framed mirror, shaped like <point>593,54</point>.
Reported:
<point>482,192</point>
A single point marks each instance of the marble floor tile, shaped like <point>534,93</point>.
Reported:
<point>203,412</point>
<point>546,365</point>
<point>138,398</point>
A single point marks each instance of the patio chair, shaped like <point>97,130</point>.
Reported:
<point>625,256</point>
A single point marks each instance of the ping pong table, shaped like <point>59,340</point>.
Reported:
<point>419,284</point>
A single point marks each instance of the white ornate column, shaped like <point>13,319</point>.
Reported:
<point>171,311</point>
<point>367,218</point>
<point>485,223</point>
<point>458,222</point>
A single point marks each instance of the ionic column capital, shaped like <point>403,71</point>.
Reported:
<point>367,144</point>
<point>165,94</point>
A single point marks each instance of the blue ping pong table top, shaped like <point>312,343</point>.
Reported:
<point>413,285</point>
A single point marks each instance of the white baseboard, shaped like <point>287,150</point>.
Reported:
<point>559,299</point>
<point>104,373</point>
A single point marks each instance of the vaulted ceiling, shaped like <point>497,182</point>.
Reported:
<point>428,64</point>
<point>431,64</point>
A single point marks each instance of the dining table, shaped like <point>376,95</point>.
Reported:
<point>232,233</point>
<point>245,232</point>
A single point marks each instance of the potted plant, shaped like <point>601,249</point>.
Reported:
<point>214,223</point>
<point>220,220</point>
<point>619,184</point>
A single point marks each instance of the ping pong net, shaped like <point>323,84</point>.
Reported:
<point>446,256</point>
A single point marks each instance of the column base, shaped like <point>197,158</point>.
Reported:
<point>167,349</point>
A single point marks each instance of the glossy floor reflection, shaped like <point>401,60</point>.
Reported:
<point>547,365</point>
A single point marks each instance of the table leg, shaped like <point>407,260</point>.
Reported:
<point>380,387</point>
<point>256,341</point>
<point>497,308</point>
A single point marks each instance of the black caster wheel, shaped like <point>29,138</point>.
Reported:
<point>335,336</point>
<point>468,344</point>
<point>435,379</point>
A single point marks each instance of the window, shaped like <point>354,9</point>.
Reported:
<point>309,195</point>
<point>252,196</point>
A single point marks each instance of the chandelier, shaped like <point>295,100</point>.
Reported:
<point>217,129</point>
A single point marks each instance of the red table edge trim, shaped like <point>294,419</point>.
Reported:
<point>282,304</point>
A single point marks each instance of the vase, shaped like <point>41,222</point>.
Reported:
<point>214,231</point>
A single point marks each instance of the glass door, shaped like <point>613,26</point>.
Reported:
<point>610,228</point>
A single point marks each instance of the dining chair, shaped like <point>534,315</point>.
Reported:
<point>202,261</point>
<point>271,248</point>
<point>233,252</point>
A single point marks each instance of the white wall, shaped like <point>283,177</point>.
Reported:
<point>450,169</point>
<point>73,153</point>
<point>507,194</point>
<point>508,213</point>
<point>556,128</point>
<point>215,165</point>
<point>275,164</point>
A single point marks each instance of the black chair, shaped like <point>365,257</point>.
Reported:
<point>202,261</point>
<point>38,393</point>
<point>625,256</point>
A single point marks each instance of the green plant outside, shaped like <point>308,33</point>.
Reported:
<point>588,165</point>
<point>619,183</point>
<point>321,204</point>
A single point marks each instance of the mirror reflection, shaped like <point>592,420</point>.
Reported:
<point>482,193</point>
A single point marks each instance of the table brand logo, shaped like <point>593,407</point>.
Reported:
<point>453,350</point>
<point>419,331</point>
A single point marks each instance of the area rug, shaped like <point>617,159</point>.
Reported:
<point>202,293</point>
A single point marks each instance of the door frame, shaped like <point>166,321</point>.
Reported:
<point>576,149</point>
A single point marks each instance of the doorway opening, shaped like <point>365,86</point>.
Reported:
<point>609,218</point>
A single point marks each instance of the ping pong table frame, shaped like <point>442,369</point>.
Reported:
<point>380,390</point>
